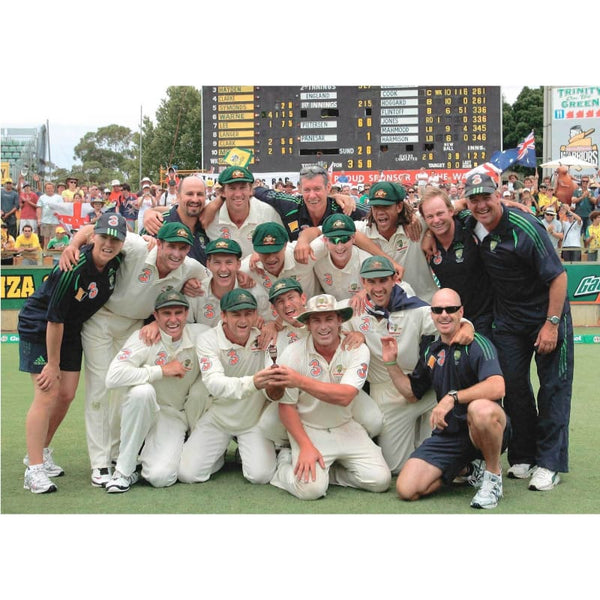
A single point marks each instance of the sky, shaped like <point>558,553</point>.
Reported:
<point>81,65</point>
<point>97,74</point>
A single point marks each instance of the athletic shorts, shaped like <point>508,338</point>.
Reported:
<point>452,452</point>
<point>33,356</point>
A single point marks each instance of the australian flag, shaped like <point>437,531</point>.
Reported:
<point>523,154</point>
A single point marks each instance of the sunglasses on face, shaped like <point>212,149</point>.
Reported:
<point>438,310</point>
<point>342,239</point>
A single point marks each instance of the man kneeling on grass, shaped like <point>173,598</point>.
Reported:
<point>468,421</point>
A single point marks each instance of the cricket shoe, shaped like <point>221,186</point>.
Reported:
<point>489,493</point>
<point>120,483</point>
<point>51,468</point>
<point>100,477</point>
<point>474,474</point>
<point>37,480</point>
<point>520,471</point>
<point>543,480</point>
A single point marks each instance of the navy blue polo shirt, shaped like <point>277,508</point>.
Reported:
<point>198,250</point>
<point>521,263</point>
<point>69,297</point>
<point>293,211</point>
<point>454,367</point>
<point>461,268</point>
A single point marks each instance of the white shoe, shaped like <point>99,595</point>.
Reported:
<point>489,493</point>
<point>543,479</point>
<point>284,456</point>
<point>100,477</point>
<point>520,471</point>
<point>474,474</point>
<point>120,483</point>
<point>37,481</point>
<point>52,469</point>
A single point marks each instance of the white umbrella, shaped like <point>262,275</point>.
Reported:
<point>569,161</point>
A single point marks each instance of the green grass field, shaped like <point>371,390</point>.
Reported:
<point>229,493</point>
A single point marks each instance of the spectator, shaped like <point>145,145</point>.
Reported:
<point>8,246</point>
<point>526,198</point>
<point>514,185</point>
<point>128,207</point>
<point>28,244</point>
<point>583,202</point>
<point>28,202</point>
<point>114,198</point>
<point>170,195</point>
<point>554,227</point>
<point>592,236</point>
<point>571,242</point>
<point>145,201</point>
<point>46,218</point>
<point>69,192</point>
<point>546,198</point>
<point>60,241</point>
<point>97,210</point>
<point>10,206</point>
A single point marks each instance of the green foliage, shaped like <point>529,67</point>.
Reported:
<point>176,139</point>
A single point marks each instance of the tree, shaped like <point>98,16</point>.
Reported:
<point>105,154</point>
<point>177,137</point>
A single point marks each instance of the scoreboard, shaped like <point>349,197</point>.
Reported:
<point>352,128</point>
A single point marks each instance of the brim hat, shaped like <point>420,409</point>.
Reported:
<point>269,237</point>
<point>112,224</point>
<point>283,285</point>
<point>479,183</point>
<point>386,193</point>
<point>175,232</point>
<point>170,297</point>
<point>238,299</point>
<point>337,225</point>
<point>223,246</point>
<point>324,303</point>
<point>377,266</point>
<point>235,175</point>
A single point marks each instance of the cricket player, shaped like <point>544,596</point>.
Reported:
<point>315,383</point>
<point>158,380</point>
<point>144,274</point>
<point>234,370</point>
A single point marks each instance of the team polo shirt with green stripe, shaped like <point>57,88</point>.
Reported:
<point>454,367</point>
<point>521,262</point>
<point>69,297</point>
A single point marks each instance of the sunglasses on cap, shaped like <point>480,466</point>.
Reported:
<point>342,239</point>
<point>314,170</point>
<point>438,310</point>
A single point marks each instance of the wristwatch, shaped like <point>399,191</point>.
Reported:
<point>553,319</point>
<point>454,395</point>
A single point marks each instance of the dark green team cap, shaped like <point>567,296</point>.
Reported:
<point>235,174</point>
<point>170,297</point>
<point>269,237</point>
<point>386,193</point>
<point>377,266</point>
<point>283,285</point>
<point>336,225</point>
<point>175,232</point>
<point>223,246</point>
<point>238,299</point>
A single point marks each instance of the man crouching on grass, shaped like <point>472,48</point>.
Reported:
<point>468,421</point>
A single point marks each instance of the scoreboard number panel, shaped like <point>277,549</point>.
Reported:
<point>354,127</point>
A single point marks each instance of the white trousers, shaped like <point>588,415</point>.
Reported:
<point>405,425</point>
<point>204,453</point>
<point>351,459</point>
<point>161,429</point>
<point>103,335</point>
<point>364,411</point>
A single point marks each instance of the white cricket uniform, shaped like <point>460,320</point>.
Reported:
<point>303,274</point>
<point>104,334</point>
<point>406,253</point>
<point>206,309</point>
<point>332,430</point>
<point>341,283</point>
<point>405,425</point>
<point>227,371</point>
<point>155,410</point>
<point>223,227</point>
<point>364,409</point>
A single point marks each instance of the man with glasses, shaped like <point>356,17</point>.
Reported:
<point>315,205</point>
<point>69,192</point>
<point>532,317</point>
<point>468,421</point>
<point>582,202</point>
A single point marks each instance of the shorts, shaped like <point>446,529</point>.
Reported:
<point>452,452</point>
<point>33,355</point>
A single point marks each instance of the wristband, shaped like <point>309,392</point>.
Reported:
<point>389,363</point>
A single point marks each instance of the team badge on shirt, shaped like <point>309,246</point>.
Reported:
<point>144,276</point>
<point>362,370</point>
<point>233,357</point>
<point>458,252</point>
<point>205,364</point>
<point>124,354</point>
<point>209,311</point>
<point>315,368</point>
<point>161,358</point>
<point>225,233</point>
<point>437,258</point>
<point>338,372</point>
<point>441,358</point>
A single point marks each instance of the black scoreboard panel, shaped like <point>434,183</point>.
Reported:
<point>354,127</point>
